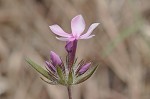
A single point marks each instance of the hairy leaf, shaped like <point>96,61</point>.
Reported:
<point>70,78</point>
<point>38,68</point>
<point>61,75</point>
<point>49,82</point>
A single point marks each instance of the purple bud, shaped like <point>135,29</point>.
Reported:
<point>55,59</point>
<point>50,66</point>
<point>84,68</point>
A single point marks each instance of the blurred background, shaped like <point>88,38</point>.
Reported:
<point>121,47</point>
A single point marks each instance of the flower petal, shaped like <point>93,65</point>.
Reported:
<point>65,39</point>
<point>62,38</point>
<point>88,37</point>
<point>90,30</point>
<point>77,25</point>
<point>59,31</point>
<point>55,59</point>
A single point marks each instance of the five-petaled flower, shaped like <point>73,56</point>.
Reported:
<point>77,27</point>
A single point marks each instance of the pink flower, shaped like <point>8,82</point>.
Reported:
<point>77,27</point>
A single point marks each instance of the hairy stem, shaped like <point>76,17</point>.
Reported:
<point>69,92</point>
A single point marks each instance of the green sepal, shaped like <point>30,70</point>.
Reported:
<point>61,75</point>
<point>70,78</point>
<point>85,76</point>
<point>39,69</point>
<point>49,82</point>
<point>75,61</point>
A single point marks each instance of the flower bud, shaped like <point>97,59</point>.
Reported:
<point>84,68</point>
<point>55,59</point>
<point>50,66</point>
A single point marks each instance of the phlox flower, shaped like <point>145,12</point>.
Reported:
<point>77,27</point>
<point>72,71</point>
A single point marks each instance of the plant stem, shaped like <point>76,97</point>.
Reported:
<point>69,92</point>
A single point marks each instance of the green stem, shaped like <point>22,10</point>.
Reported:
<point>69,92</point>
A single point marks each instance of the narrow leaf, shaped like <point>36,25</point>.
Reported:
<point>70,78</point>
<point>38,68</point>
<point>74,63</point>
<point>61,75</point>
<point>49,82</point>
<point>85,76</point>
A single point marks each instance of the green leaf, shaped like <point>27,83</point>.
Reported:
<point>49,82</point>
<point>85,76</point>
<point>38,68</point>
<point>70,78</point>
<point>61,75</point>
